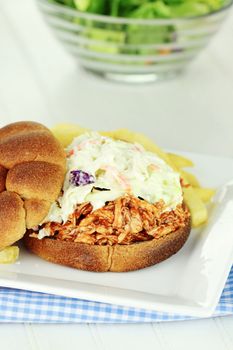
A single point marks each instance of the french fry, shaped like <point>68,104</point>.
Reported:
<point>65,133</point>
<point>180,161</point>
<point>9,255</point>
<point>205,194</point>
<point>190,178</point>
<point>197,208</point>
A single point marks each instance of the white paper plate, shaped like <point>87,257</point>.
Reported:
<point>188,283</point>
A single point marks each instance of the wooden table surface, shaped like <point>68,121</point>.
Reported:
<point>39,81</point>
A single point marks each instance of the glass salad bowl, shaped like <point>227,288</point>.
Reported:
<point>131,49</point>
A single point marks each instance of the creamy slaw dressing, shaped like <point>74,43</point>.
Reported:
<point>118,167</point>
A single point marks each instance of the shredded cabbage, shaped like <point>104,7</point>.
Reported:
<point>116,168</point>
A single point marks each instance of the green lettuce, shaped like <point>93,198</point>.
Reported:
<point>119,35</point>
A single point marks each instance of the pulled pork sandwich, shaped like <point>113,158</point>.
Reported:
<point>121,209</point>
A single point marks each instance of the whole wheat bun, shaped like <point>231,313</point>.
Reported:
<point>12,218</point>
<point>3,173</point>
<point>116,258</point>
<point>32,170</point>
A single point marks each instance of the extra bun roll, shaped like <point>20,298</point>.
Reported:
<point>32,169</point>
<point>3,173</point>
<point>20,127</point>
<point>37,180</point>
<point>116,258</point>
<point>36,211</point>
<point>12,218</point>
<point>28,146</point>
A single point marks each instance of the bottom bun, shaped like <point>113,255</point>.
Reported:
<point>116,258</point>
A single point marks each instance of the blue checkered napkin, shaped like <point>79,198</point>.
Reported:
<point>25,306</point>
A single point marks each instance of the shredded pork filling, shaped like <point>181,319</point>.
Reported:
<point>123,221</point>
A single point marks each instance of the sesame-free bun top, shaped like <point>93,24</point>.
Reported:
<point>32,169</point>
